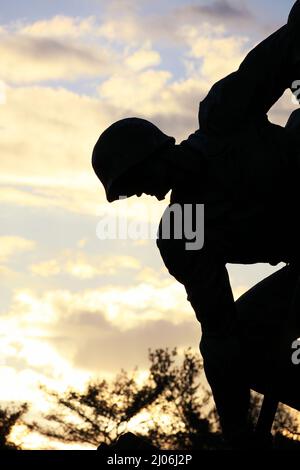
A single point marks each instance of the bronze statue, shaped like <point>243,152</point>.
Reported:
<point>245,171</point>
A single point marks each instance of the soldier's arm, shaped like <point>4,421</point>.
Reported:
<point>245,96</point>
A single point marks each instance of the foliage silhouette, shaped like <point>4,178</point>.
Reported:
<point>172,407</point>
<point>9,417</point>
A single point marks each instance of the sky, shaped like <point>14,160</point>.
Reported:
<point>72,306</point>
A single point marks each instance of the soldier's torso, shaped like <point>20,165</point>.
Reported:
<point>248,185</point>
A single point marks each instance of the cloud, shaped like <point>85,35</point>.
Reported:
<point>56,135</point>
<point>210,54</point>
<point>121,307</point>
<point>217,10</point>
<point>128,28</point>
<point>68,48</point>
<point>143,58</point>
<point>136,91</point>
<point>46,268</point>
<point>12,245</point>
<point>54,139</point>
<point>26,59</point>
<point>60,336</point>
<point>40,196</point>
<point>108,352</point>
<point>63,125</point>
<point>126,307</point>
<point>60,26</point>
<point>220,53</point>
<point>52,130</point>
<point>7,273</point>
<point>163,27</point>
<point>152,276</point>
<point>81,266</point>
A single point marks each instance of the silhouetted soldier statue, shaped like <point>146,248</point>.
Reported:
<point>245,170</point>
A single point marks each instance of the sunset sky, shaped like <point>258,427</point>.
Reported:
<point>72,306</point>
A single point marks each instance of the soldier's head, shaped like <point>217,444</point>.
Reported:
<point>128,159</point>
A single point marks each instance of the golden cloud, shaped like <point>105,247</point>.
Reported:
<point>12,245</point>
<point>51,135</point>
<point>45,337</point>
<point>56,135</point>
<point>81,266</point>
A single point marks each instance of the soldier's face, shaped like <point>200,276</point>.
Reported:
<point>149,177</point>
<point>152,179</point>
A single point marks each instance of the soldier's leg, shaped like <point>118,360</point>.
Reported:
<point>260,324</point>
<point>207,284</point>
<point>293,128</point>
<point>244,97</point>
<point>268,322</point>
<point>210,295</point>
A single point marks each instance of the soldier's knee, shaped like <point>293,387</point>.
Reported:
<point>293,123</point>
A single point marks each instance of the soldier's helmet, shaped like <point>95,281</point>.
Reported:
<point>123,145</point>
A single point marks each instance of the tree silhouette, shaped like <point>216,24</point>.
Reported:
<point>104,410</point>
<point>284,419</point>
<point>172,407</point>
<point>9,417</point>
<point>189,405</point>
